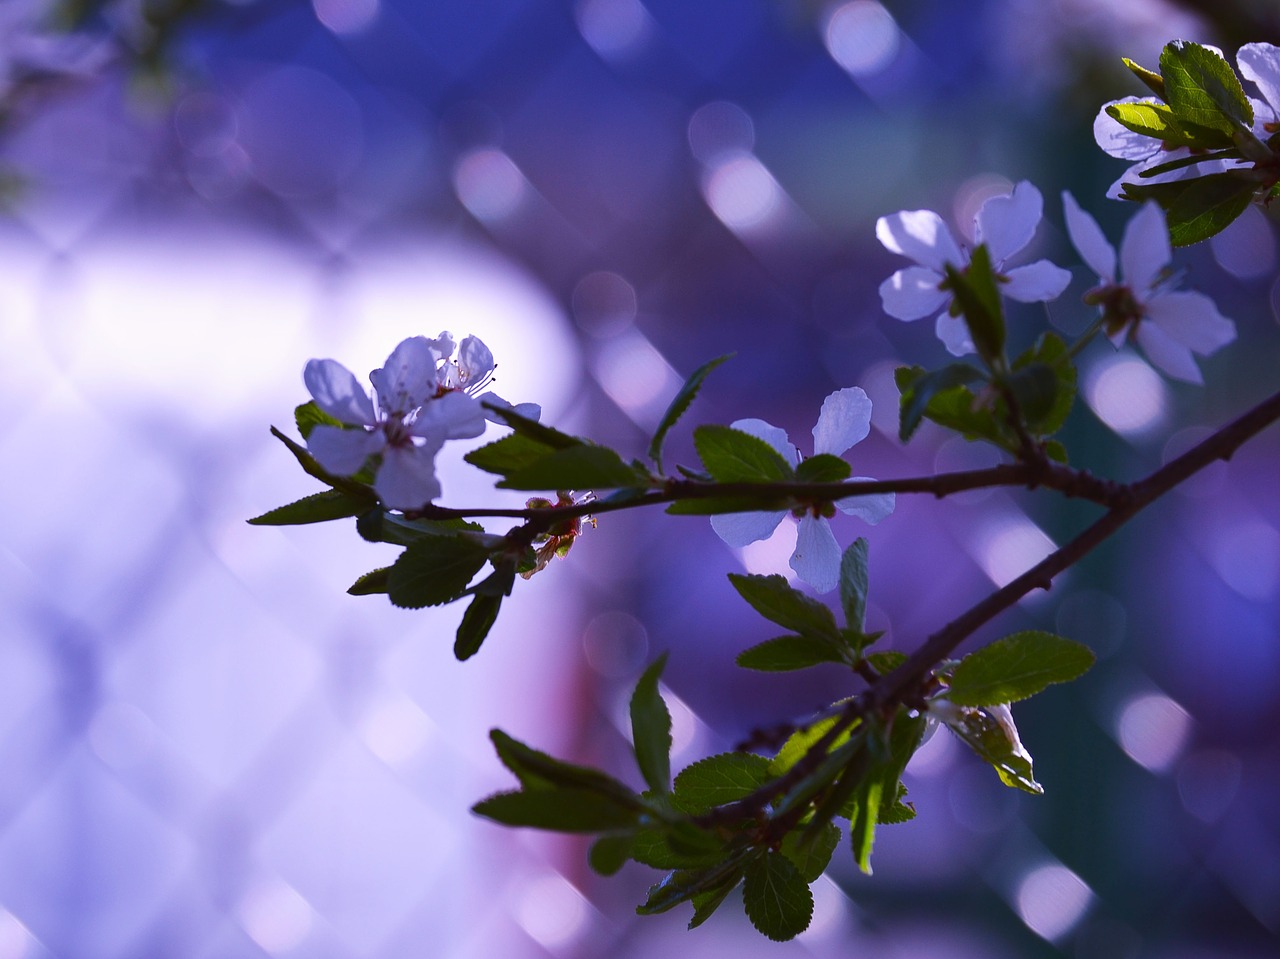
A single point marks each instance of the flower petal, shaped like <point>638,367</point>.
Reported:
<point>1192,319</point>
<point>871,508</point>
<point>1168,354</point>
<point>773,435</point>
<point>1036,282</point>
<point>530,411</point>
<point>922,236</point>
<point>1006,224</point>
<point>1145,249</point>
<point>741,529</point>
<point>1117,139</point>
<point>1088,239</point>
<point>409,376</point>
<point>817,556</point>
<point>407,477</point>
<point>1260,62</point>
<point>338,392</point>
<point>845,419</point>
<point>453,416</point>
<point>954,333</point>
<point>475,361</point>
<point>343,452</point>
<point>913,292</point>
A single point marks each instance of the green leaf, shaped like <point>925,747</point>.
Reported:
<point>508,455</point>
<point>776,897</point>
<point>476,623</point>
<point>532,429</point>
<point>608,854</point>
<point>317,508</point>
<point>538,770</point>
<point>651,729</point>
<point>720,779</point>
<point>657,847</point>
<point>812,856</point>
<point>309,415</point>
<point>1153,80</point>
<point>712,506</point>
<point>864,819</point>
<point>707,902</point>
<point>434,570</point>
<point>577,467</point>
<point>878,797</point>
<point>787,653</point>
<point>1035,388</point>
<point>1203,90</point>
<point>685,884</point>
<point>977,296</point>
<point>380,526</point>
<point>1049,351</point>
<point>886,661</point>
<point>732,456</point>
<point>679,405</point>
<point>823,468</point>
<point>898,811</point>
<point>1016,667</point>
<point>990,732</point>
<point>802,740</point>
<point>559,810</point>
<point>1152,119</point>
<point>854,584</point>
<point>1197,208</point>
<point>920,390</point>
<point>774,599</point>
<point>1055,451</point>
<point>371,583</point>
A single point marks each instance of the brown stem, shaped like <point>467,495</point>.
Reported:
<point>1066,480</point>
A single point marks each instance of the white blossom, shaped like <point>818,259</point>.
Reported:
<point>1005,224</point>
<point>845,420</point>
<point>424,398</point>
<point>1139,299</point>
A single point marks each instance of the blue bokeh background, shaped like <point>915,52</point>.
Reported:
<point>211,750</point>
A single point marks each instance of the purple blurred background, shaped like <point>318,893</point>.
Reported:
<point>211,750</point>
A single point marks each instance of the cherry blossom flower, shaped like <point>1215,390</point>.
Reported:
<point>1143,304</point>
<point>845,420</point>
<point>1144,152</point>
<point>425,396</point>
<point>1260,63</point>
<point>1005,224</point>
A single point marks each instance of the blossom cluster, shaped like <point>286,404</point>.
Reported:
<point>427,393</point>
<point>1258,63</point>
<point>1140,302</point>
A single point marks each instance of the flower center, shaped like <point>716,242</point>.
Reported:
<point>1120,308</point>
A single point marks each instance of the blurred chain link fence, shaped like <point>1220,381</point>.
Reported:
<point>211,750</point>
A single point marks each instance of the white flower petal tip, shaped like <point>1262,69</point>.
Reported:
<point>816,559</point>
<point>1037,282</point>
<point>743,529</point>
<point>871,508</point>
<point>954,333</point>
<point>1088,239</point>
<point>912,293</point>
<point>1007,223</point>
<point>845,420</point>
<point>336,391</point>
<point>920,235</point>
